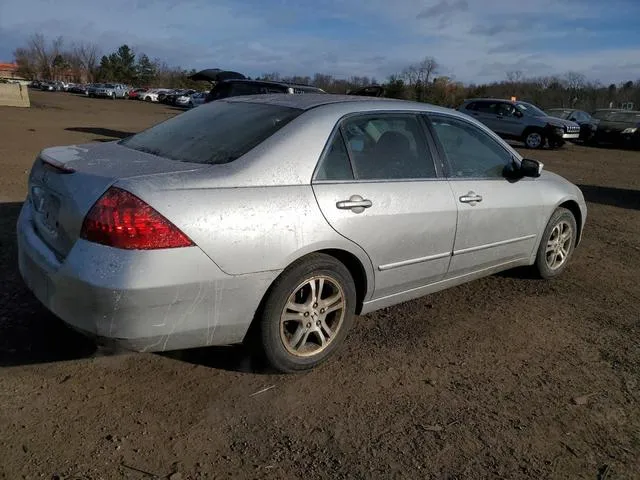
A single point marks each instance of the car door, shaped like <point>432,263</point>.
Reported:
<point>487,112</point>
<point>377,185</point>
<point>498,219</point>
<point>510,125</point>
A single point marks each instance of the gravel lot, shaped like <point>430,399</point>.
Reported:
<point>506,377</point>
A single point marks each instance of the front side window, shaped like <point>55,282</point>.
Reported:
<point>388,147</point>
<point>471,152</point>
<point>217,133</point>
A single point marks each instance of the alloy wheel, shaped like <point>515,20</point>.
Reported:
<point>559,245</point>
<point>534,140</point>
<point>312,316</point>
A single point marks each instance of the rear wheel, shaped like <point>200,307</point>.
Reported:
<point>113,96</point>
<point>534,139</point>
<point>557,244</point>
<point>307,313</point>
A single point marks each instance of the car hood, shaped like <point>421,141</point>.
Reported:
<point>558,122</point>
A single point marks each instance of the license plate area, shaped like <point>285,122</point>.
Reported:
<point>47,207</point>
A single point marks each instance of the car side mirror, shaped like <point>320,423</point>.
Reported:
<point>530,168</point>
<point>573,119</point>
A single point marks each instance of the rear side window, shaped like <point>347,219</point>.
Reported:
<point>388,147</point>
<point>487,107</point>
<point>335,164</point>
<point>215,133</point>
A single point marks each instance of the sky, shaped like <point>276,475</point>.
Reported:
<point>474,41</point>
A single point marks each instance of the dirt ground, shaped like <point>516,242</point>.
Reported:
<point>506,377</point>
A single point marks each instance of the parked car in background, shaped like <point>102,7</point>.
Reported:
<point>136,93</point>
<point>111,90</point>
<point>521,121</point>
<point>239,87</point>
<point>588,125</point>
<point>78,88</point>
<point>618,127</point>
<point>192,100</point>
<point>368,91</point>
<point>152,95</point>
<point>171,97</point>
<point>91,90</point>
<point>148,242</point>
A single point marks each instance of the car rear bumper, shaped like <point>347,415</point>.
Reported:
<point>140,300</point>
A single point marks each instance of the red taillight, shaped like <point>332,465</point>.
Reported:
<point>120,219</point>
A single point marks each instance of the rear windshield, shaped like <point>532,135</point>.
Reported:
<point>215,133</point>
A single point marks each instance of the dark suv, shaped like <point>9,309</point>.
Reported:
<point>238,87</point>
<point>521,121</point>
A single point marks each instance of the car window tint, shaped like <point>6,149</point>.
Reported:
<point>487,107</point>
<point>335,164</point>
<point>582,116</point>
<point>238,89</point>
<point>470,151</point>
<point>388,146</point>
<point>472,106</point>
<point>505,109</point>
<point>218,133</point>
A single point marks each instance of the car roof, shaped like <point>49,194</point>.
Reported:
<point>313,100</point>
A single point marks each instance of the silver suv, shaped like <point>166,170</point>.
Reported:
<point>521,121</point>
<point>112,91</point>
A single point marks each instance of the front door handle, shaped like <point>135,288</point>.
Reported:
<point>356,204</point>
<point>471,197</point>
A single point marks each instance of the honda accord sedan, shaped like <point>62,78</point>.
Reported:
<point>278,218</point>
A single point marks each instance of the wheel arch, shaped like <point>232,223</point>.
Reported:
<point>362,277</point>
<point>574,208</point>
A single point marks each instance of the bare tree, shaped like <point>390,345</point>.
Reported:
<point>419,76</point>
<point>87,55</point>
<point>515,76</point>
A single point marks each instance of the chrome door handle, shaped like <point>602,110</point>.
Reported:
<point>356,204</point>
<point>471,197</point>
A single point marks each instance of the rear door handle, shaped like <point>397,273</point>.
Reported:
<point>356,204</point>
<point>471,197</point>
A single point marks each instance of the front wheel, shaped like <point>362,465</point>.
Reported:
<point>534,139</point>
<point>307,313</point>
<point>557,244</point>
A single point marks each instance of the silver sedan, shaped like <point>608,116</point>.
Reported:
<point>278,218</point>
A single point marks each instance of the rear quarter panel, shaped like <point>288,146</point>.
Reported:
<point>249,229</point>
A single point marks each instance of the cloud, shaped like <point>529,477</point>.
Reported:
<point>444,8</point>
<point>473,41</point>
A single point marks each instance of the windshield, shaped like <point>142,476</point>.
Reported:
<point>560,113</point>
<point>525,107</point>
<point>213,134</point>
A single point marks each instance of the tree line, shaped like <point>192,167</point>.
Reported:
<point>83,62</point>
<point>421,81</point>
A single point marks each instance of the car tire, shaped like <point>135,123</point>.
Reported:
<point>299,329</point>
<point>557,244</point>
<point>534,139</point>
<point>113,96</point>
<point>147,99</point>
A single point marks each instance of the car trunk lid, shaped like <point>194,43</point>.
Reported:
<point>65,182</point>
